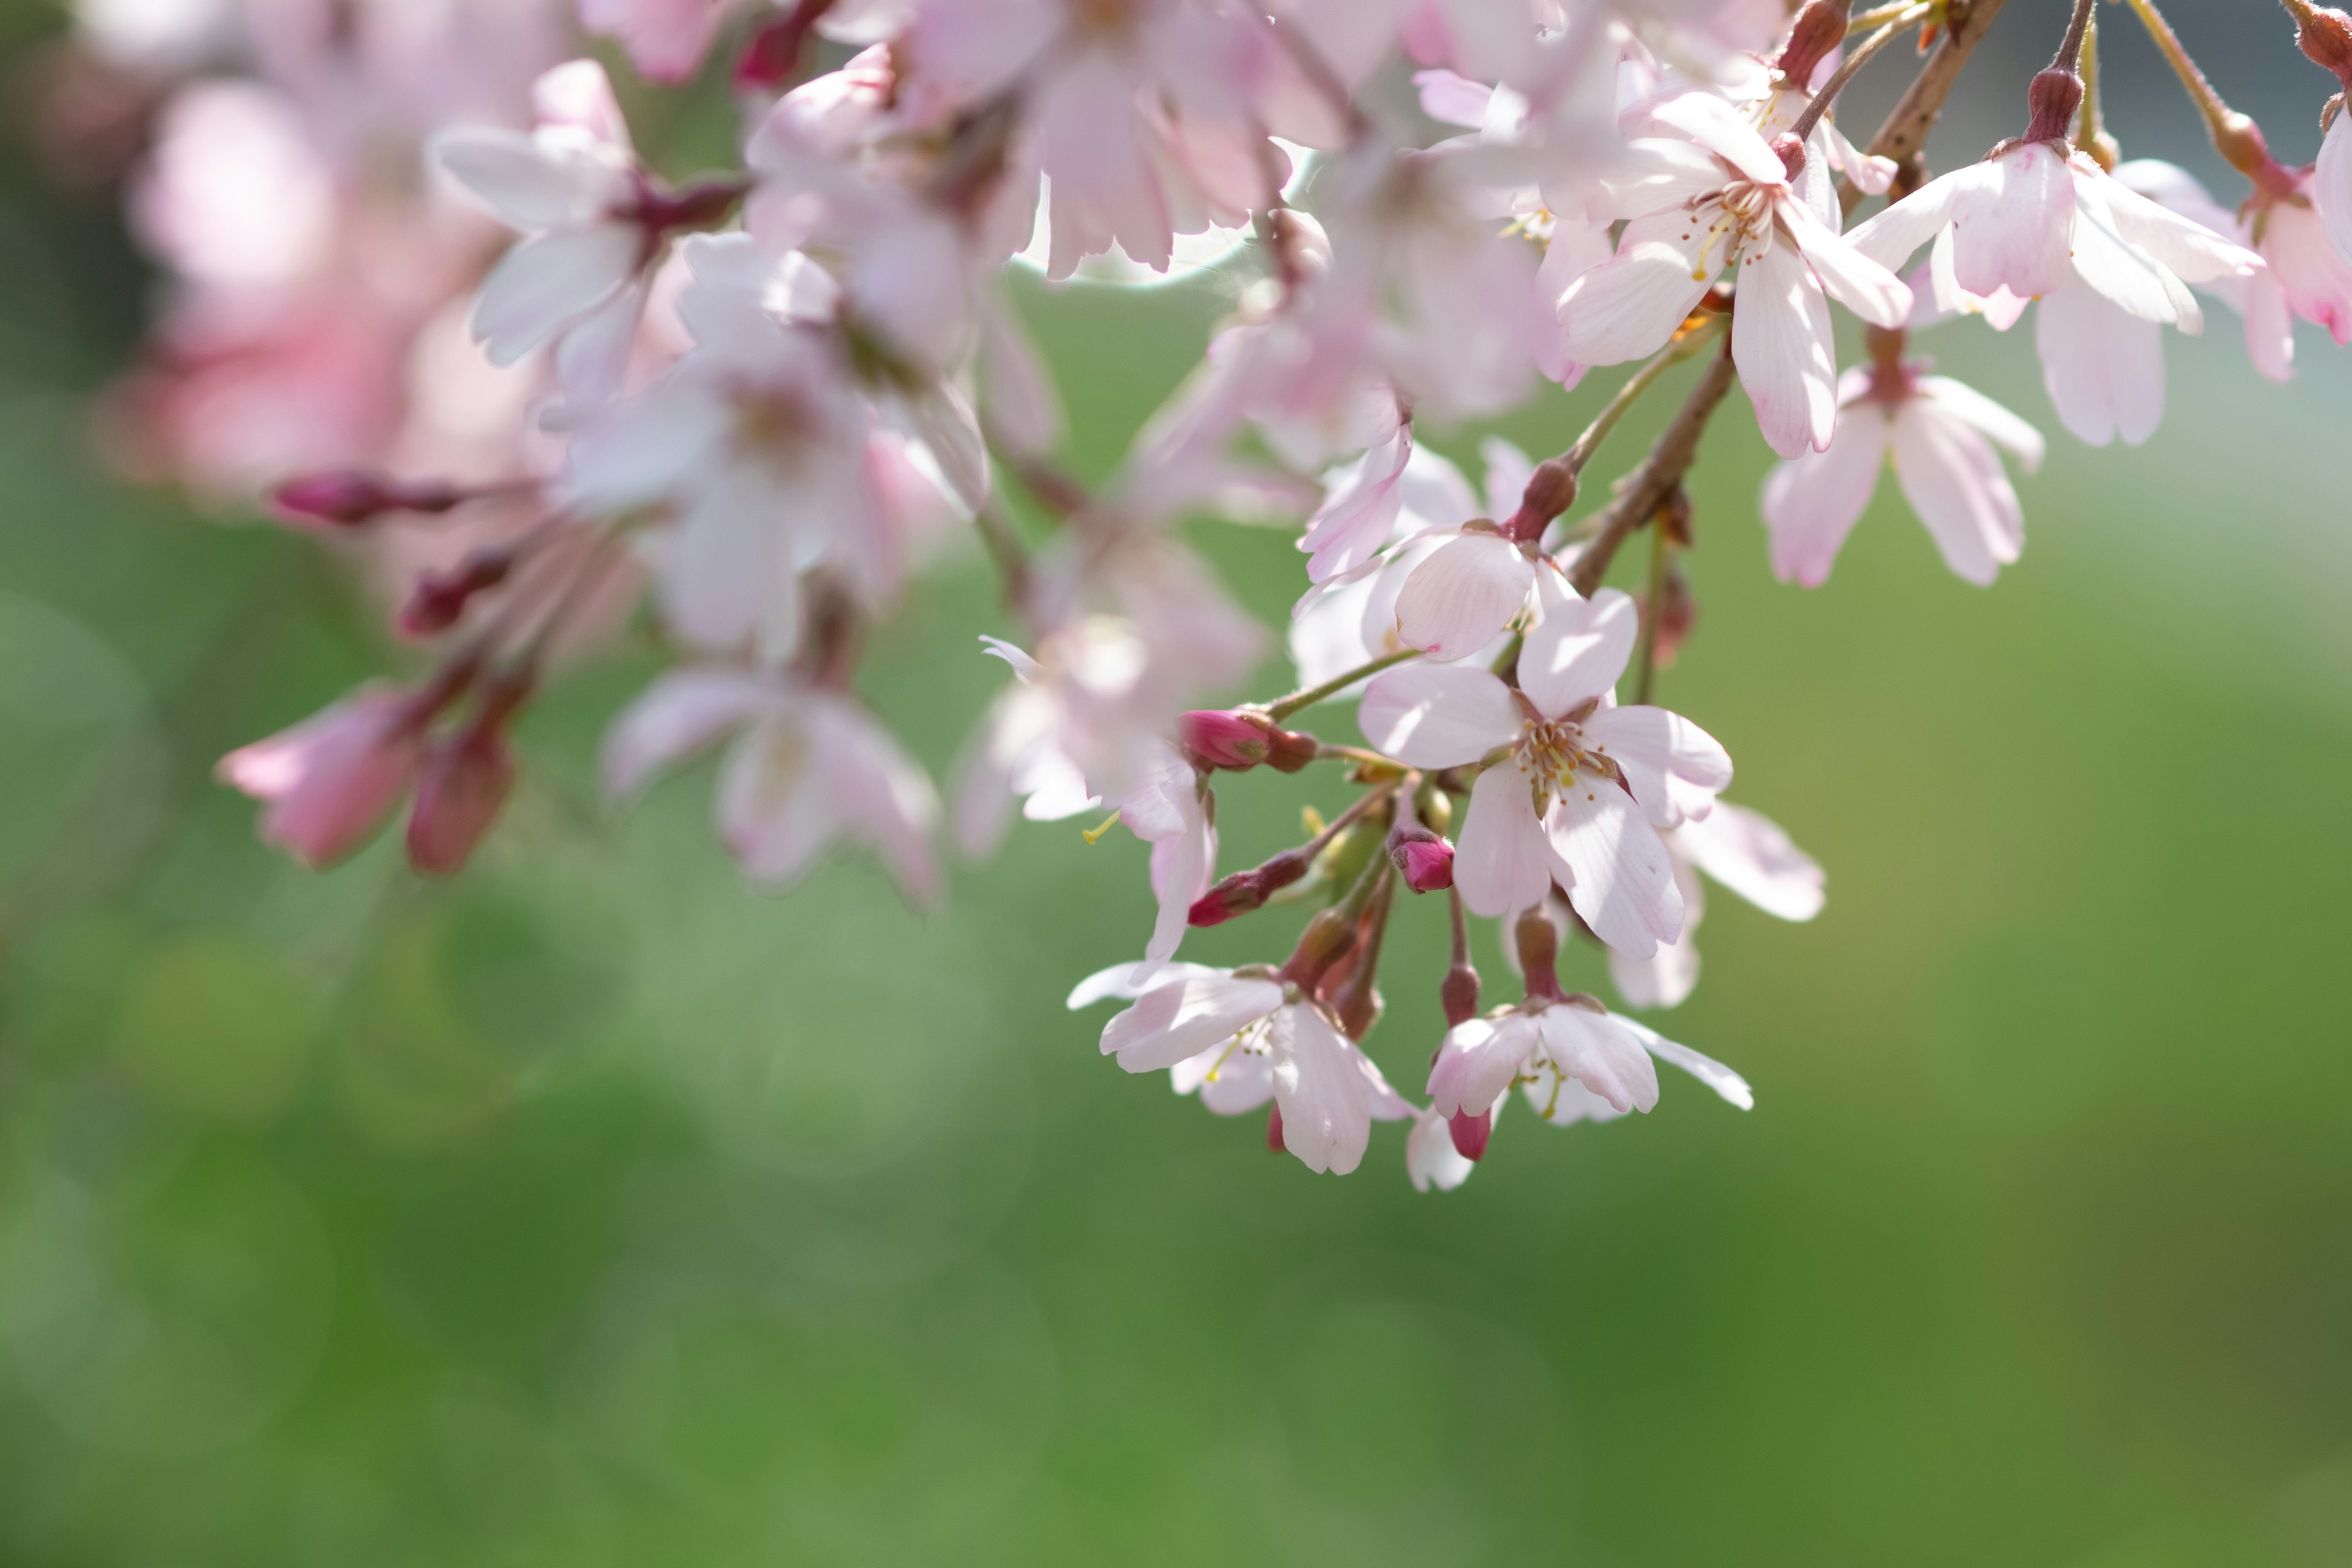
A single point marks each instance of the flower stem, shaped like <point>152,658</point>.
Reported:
<point>1857,58</point>
<point>1660,547</point>
<point>1284,707</point>
<point>2070,47</point>
<point>1325,750</point>
<point>1686,343</point>
<point>1647,487</point>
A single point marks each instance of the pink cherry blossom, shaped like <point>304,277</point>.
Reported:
<point>2331,187</point>
<point>1723,198</point>
<point>1577,788</point>
<point>808,766</point>
<point>1746,852</point>
<point>1939,436</point>
<point>1550,1044</point>
<point>329,783</point>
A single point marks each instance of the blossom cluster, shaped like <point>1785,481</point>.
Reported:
<point>425,291</point>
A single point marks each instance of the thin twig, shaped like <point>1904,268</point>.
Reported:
<point>1905,128</point>
<point>1647,487</point>
<point>1284,707</point>
<point>1686,344</point>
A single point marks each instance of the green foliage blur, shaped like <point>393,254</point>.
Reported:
<point>591,1209</point>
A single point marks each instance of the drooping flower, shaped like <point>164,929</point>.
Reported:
<point>1577,788</point>
<point>1724,197</point>
<point>1745,851</point>
<point>1939,436</point>
<point>329,783</point>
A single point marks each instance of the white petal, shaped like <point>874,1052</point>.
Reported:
<point>681,712</point>
<point>1749,853</point>
<point>1477,1063</point>
<point>542,284</point>
<point>2104,369</point>
<point>774,812</point>
<point>1664,979</point>
<point>1601,1054</point>
<point>1325,1100</point>
<point>1172,1022</point>
<point>1458,600</point>
<point>1811,503</point>
<point>1628,307</point>
<point>1501,858</point>
<point>1953,480</point>
<point>527,185</point>
<point>2125,273</point>
<point>1652,174</point>
<point>1852,279</point>
<point>1890,237</point>
<point>2018,234</point>
<point>1988,418</point>
<point>1788,361</point>
<point>1577,650</point>
<point>2172,240</point>
<point>2331,185</point>
<point>1621,881</point>
<point>1432,1160</point>
<point>1658,750</point>
<point>1704,1068</point>
<point>1438,716</point>
<point>1132,980</point>
<point>1711,122</point>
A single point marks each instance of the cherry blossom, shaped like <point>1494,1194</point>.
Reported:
<point>1940,435</point>
<point>1577,788</point>
<point>1746,852</point>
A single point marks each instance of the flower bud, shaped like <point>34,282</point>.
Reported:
<point>1471,1133</point>
<point>2052,98</point>
<point>2325,35</point>
<point>772,56</point>
<point>465,783</point>
<point>352,498</point>
<point>1551,490</point>
<point>439,599</point>
<point>1424,860</point>
<point>1538,949</point>
<point>1245,890</point>
<point>1274,1143</point>
<point>1239,742</point>
<point>1459,994</point>
<point>1819,28</point>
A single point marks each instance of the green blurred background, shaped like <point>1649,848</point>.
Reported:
<point>592,1210</point>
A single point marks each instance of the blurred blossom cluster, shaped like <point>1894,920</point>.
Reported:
<point>424,291</point>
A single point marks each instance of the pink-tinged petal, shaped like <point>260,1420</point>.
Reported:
<point>2018,236</point>
<point>1431,1160</point>
<point>1706,1070</point>
<point>2269,330</point>
<point>592,359</point>
<point>1850,278</point>
<point>1230,1082</point>
<point>1453,100</point>
<point>679,714</point>
<point>1954,482</point>
<point>1623,881</point>
<point>1599,1053</point>
<point>1508,472</point>
<point>1458,600</point>
<point>1438,716</point>
<point>1502,859</point>
<point>2104,369</point>
<point>776,813</point>
<point>1022,406</point>
<point>1664,979</point>
<point>1945,299</point>
<point>2124,273</point>
<point>1988,418</point>
<point>1890,237</point>
<point>1324,1095</point>
<point>725,572</point>
<point>1871,176</point>
<point>2173,240</point>
<point>665,39</point>
<point>1356,518</point>
<point>1131,981</point>
<point>543,284</point>
<point>1185,1017</point>
<point>579,95</point>
<point>2331,185</point>
<point>1670,763</point>
<point>2176,189</point>
<point>1788,361</point>
<point>1712,123</point>
<point>329,782</point>
<point>1750,854</point>
<point>1811,503</point>
<point>2316,281</point>
<point>527,185</point>
<point>1183,868</point>
<point>1630,305</point>
<point>1105,189</point>
<point>881,795</point>
<point>1477,1062</point>
<point>1655,173</point>
<point>1577,651</point>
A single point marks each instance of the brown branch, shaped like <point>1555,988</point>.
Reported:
<point>1904,132</point>
<point>1647,487</point>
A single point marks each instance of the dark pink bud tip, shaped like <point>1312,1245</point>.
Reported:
<point>1427,863</point>
<point>2324,34</point>
<point>440,598</point>
<point>1792,153</point>
<point>1819,28</point>
<point>1274,1143</point>
<point>1235,742</point>
<point>1245,890</point>
<point>458,795</point>
<point>2051,100</point>
<point>1470,1134</point>
<point>772,56</point>
<point>351,497</point>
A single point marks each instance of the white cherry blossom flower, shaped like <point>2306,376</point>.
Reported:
<point>1939,436</point>
<point>1550,1044</point>
<point>808,766</point>
<point>1747,852</point>
<point>1724,199</point>
<point>1579,787</point>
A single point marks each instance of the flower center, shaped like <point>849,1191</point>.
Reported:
<point>1739,216</point>
<point>1552,752</point>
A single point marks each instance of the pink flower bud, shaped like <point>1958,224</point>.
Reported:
<point>1236,742</point>
<point>1550,491</point>
<point>1819,28</point>
<point>2325,35</point>
<point>1274,1143</point>
<point>439,599</point>
<point>1245,890</point>
<point>459,793</point>
<point>1423,858</point>
<point>1471,1134</point>
<point>352,498</point>
<point>2053,97</point>
<point>333,779</point>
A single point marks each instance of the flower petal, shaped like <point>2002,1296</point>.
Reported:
<point>1704,1068</point>
<point>1811,502</point>
<point>2104,369</point>
<point>543,284</point>
<point>1185,1017</point>
<point>1458,600</point>
<point>1501,859</point>
<point>1670,763</point>
<point>1628,307</point>
<point>1953,480</point>
<point>1438,716</point>
<point>1620,880</point>
<point>1750,854</point>
<point>681,712</point>
<point>1325,1097</point>
<point>1577,650</point>
<point>1600,1052</point>
<point>1477,1063</point>
<point>1788,361</point>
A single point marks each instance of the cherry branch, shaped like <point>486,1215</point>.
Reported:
<point>1307,697</point>
<point>1848,67</point>
<point>1647,487</point>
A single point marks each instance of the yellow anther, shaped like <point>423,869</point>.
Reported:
<point>1092,834</point>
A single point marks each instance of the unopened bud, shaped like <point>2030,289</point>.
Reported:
<point>1677,612</point>
<point>1471,1134</point>
<point>1424,860</point>
<point>1551,490</point>
<point>1327,939</point>
<point>1819,28</point>
<point>1245,890</point>
<point>1236,742</point>
<point>2324,34</point>
<point>772,56</point>
<point>1274,1143</point>
<point>2051,100</point>
<point>463,784</point>
<point>1790,151</point>
<point>439,599</point>
<point>352,498</point>
<point>1458,992</point>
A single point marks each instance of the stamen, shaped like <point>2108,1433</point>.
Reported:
<point>1092,835</point>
